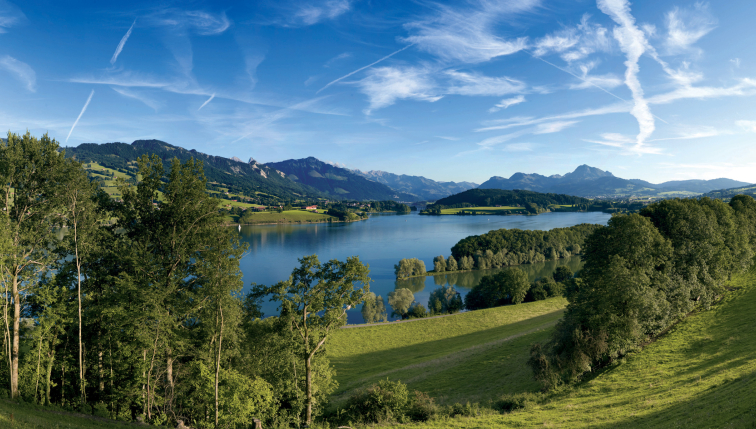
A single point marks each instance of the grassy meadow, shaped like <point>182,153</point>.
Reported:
<point>290,216</point>
<point>445,356</point>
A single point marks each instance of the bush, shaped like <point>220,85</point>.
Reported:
<point>417,311</point>
<point>422,407</point>
<point>385,401</point>
<point>519,401</point>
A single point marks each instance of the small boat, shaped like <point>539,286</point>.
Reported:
<point>239,227</point>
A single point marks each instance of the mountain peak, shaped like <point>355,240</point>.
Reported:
<point>236,158</point>
<point>587,172</point>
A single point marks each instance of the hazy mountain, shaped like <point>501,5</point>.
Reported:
<point>423,188</point>
<point>587,181</point>
<point>336,181</point>
<point>731,192</point>
<point>250,176</point>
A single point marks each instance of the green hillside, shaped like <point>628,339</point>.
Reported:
<point>234,175</point>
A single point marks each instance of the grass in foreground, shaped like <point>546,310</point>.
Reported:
<point>702,374</point>
<point>470,356</point>
<point>28,416</point>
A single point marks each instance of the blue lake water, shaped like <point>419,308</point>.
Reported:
<point>382,240</point>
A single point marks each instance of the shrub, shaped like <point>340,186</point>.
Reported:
<point>384,401</point>
<point>519,401</point>
<point>422,407</point>
<point>417,311</point>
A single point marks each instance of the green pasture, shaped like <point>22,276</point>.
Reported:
<point>482,210</point>
<point>701,374</point>
<point>473,356</point>
<point>290,216</point>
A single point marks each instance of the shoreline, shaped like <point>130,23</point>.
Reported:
<point>293,223</point>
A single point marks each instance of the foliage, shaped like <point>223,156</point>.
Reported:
<point>374,309</point>
<point>509,286</point>
<point>490,197</point>
<point>409,268</point>
<point>417,311</point>
<point>400,301</point>
<point>439,264</point>
<point>445,300</point>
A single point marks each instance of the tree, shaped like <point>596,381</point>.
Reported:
<point>400,301</point>
<point>439,264</point>
<point>451,264</point>
<point>317,297</point>
<point>417,311</point>
<point>445,300</point>
<point>562,274</point>
<point>374,309</point>
<point>30,174</point>
<point>509,286</point>
<point>409,268</point>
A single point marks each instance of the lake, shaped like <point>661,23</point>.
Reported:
<point>382,240</point>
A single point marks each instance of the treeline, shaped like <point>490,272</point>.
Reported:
<point>643,273</point>
<point>504,247</point>
<point>134,310</point>
<point>492,197</point>
<point>389,206</point>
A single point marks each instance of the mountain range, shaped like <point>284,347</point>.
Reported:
<point>587,181</point>
<point>312,178</point>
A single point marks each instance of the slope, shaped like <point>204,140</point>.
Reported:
<point>337,182</point>
<point>233,173</point>
<point>422,187</point>
<point>701,374</point>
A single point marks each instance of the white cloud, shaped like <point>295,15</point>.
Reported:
<point>744,88</point>
<point>749,126</point>
<point>21,71</point>
<point>201,22</point>
<point>337,58</point>
<point>627,144</point>
<point>735,62</point>
<point>607,81</point>
<point>10,16</point>
<point>312,12</point>
<point>686,26</point>
<point>206,102</point>
<point>385,85</point>
<point>121,44</point>
<point>362,68</point>
<point>519,121</point>
<point>553,127</point>
<point>476,84</point>
<point>632,42</point>
<point>575,43</point>
<point>518,147</point>
<point>507,102</point>
<point>466,35</point>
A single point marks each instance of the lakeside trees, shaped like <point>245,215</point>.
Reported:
<point>643,273</point>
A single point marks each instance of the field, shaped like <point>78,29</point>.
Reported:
<point>445,356</point>
<point>483,210</point>
<point>701,374</point>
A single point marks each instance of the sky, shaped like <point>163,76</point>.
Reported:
<point>453,91</point>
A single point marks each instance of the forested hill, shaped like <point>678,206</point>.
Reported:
<point>491,197</point>
<point>248,177</point>
<point>731,192</point>
<point>425,189</point>
<point>337,182</point>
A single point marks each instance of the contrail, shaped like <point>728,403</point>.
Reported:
<point>363,68</point>
<point>205,103</point>
<point>83,109</point>
<point>588,82</point>
<point>120,45</point>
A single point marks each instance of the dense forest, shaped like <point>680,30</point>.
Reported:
<point>491,197</point>
<point>505,247</point>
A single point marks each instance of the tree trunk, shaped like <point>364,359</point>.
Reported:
<point>14,351</point>
<point>308,387</point>
<point>48,383</point>
<point>217,364</point>
<point>78,292</point>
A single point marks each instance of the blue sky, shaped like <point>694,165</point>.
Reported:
<point>657,90</point>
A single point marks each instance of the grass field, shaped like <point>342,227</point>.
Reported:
<point>445,357</point>
<point>701,374</point>
<point>483,210</point>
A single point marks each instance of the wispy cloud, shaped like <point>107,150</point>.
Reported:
<point>205,103</point>
<point>632,42</point>
<point>312,12</point>
<point>477,84</point>
<point>466,34</point>
<point>745,87</point>
<point>519,147</point>
<point>337,58</point>
<point>385,85</point>
<point>10,16</point>
<point>749,126</point>
<point>575,43</point>
<point>201,22</point>
<point>507,102</point>
<point>502,124</point>
<point>553,127</point>
<point>21,71</point>
<point>627,145</point>
<point>687,25</point>
<point>83,109</point>
<point>121,44</point>
<point>362,68</point>
<point>607,81</point>
<point>137,96</point>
